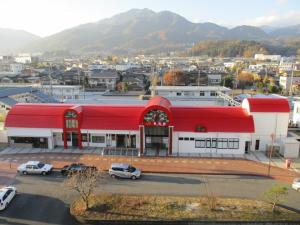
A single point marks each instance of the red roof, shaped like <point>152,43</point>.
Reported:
<point>128,117</point>
<point>212,119</point>
<point>104,117</point>
<point>268,105</point>
<point>36,115</point>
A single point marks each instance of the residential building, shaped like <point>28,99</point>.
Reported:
<point>62,92</point>
<point>103,79</point>
<point>263,57</point>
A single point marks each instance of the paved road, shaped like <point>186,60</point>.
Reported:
<point>43,200</point>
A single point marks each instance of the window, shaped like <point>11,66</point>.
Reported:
<point>178,93</point>
<point>200,143</point>
<point>233,143</point>
<point>214,142</point>
<point>202,93</point>
<point>192,139</point>
<point>208,143</point>
<point>71,124</point>
<point>213,93</point>
<point>71,114</point>
<point>98,139</point>
<point>180,139</point>
<point>85,137</point>
<point>222,143</point>
<point>186,139</point>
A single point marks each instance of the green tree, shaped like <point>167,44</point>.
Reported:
<point>228,81</point>
<point>276,195</point>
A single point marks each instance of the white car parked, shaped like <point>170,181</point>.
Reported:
<point>6,196</point>
<point>124,170</point>
<point>35,167</point>
<point>296,184</point>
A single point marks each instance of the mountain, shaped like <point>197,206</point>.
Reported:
<point>143,30</point>
<point>246,33</point>
<point>286,32</point>
<point>12,39</point>
<point>135,29</point>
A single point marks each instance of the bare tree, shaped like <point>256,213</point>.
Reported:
<point>83,183</point>
<point>211,197</point>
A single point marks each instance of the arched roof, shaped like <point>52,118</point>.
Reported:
<point>129,117</point>
<point>266,105</point>
<point>159,103</point>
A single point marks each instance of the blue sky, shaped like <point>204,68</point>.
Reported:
<point>46,17</point>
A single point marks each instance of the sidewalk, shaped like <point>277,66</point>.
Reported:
<point>159,164</point>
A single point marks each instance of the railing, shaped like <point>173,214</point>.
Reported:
<point>121,151</point>
<point>227,98</point>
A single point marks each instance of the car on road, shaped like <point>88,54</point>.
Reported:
<point>296,184</point>
<point>6,196</point>
<point>76,168</point>
<point>35,167</point>
<point>124,170</point>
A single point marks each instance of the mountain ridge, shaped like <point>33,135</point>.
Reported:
<point>144,29</point>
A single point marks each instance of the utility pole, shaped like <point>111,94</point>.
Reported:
<point>271,153</point>
<point>291,83</point>
<point>50,77</point>
<point>198,77</point>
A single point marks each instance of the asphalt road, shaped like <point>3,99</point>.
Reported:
<point>44,201</point>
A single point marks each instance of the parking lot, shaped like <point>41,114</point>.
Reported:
<point>40,194</point>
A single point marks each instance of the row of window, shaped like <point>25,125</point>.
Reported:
<point>220,143</point>
<point>201,93</point>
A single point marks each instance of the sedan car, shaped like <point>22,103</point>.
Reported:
<point>35,167</point>
<point>123,170</point>
<point>296,184</point>
<point>76,168</point>
<point>6,196</point>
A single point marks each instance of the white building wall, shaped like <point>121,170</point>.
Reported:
<point>266,124</point>
<point>182,147</point>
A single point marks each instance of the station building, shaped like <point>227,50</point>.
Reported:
<point>155,127</point>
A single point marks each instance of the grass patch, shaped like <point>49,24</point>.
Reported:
<point>149,207</point>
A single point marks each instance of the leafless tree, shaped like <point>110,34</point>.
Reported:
<point>84,184</point>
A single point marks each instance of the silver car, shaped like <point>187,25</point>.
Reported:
<point>35,167</point>
<point>124,171</point>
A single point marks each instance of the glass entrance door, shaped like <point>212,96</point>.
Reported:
<point>156,139</point>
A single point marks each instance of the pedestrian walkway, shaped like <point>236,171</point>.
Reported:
<point>277,162</point>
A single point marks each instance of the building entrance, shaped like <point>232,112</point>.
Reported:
<point>156,140</point>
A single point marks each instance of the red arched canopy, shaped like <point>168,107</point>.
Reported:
<point>157,112</point>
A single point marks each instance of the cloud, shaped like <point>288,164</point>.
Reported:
<point>275,19</point>
<point>281,2</point>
